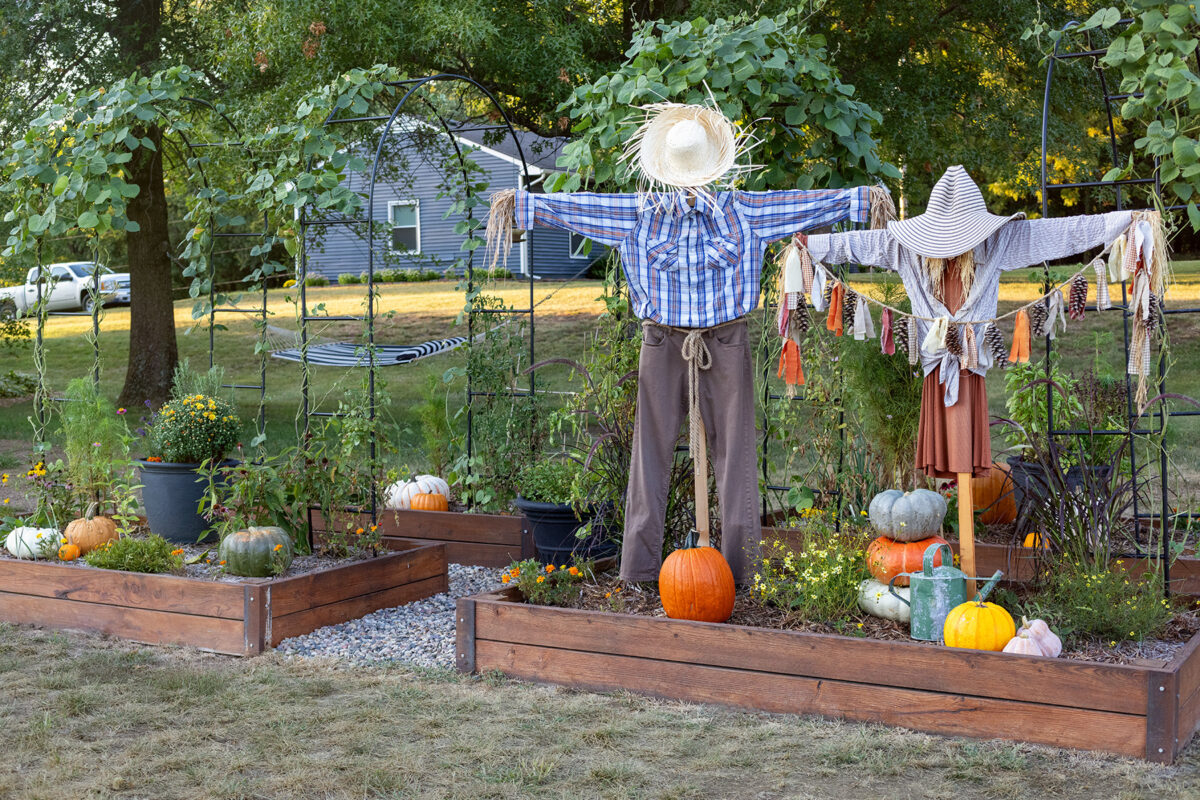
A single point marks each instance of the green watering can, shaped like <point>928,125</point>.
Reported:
<point>934,591</point>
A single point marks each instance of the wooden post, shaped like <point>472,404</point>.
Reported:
<point>966,530</point>
<point>700,469</point>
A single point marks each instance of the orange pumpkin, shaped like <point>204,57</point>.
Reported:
<point>88,533</point>
<point>696,583</point>
<point>429,502</point>
<point>887,558</point>
<point>68,552</point>
<point>995,496</point>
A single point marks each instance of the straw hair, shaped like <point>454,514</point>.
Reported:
<point>500,226</point>
<point>678,146</point>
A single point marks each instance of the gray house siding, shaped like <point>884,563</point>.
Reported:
<point>335,249</point>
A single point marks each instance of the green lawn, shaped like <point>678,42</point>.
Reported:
<point>90,717</point>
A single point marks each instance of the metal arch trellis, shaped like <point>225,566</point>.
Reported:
<point>41,401</point>
<point>409,88</point>
<point>1134,426</point>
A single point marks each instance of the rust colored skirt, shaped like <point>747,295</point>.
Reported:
<point>955,439</point>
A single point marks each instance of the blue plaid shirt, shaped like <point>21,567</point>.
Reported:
<point>692,267</point>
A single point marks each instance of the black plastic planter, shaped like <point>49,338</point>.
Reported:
<point>554,529</point>
<point>171,494</point>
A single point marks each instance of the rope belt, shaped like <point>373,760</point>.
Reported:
<point>697,356</point>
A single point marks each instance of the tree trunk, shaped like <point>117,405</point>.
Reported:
<point>153,351</point>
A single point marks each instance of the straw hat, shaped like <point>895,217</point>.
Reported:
<point>679,146</point>
<point>955,221</point>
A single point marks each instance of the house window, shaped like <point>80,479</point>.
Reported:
<point>405,220</point>
<point>578,246</point>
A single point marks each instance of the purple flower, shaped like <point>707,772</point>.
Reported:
<point>120,412</point>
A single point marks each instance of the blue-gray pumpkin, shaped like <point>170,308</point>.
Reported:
<point>257,552</point>
<point>907,516</point>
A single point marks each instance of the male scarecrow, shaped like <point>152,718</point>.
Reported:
<point>693,258</point>
<point>950,259</point>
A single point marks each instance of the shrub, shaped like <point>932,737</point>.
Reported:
<point>818,583</point>
<point>316,280</point>
<point>150,554</point>
<point>95,440</point>
<point>348,279</point>
<point>193,429</point>
<point>1107,604</point>
<point>547,481</point>
<point>17,384</point>
<point>548,585</point>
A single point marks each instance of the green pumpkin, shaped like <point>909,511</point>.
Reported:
<point>251,553</point>
<point>908,516</point>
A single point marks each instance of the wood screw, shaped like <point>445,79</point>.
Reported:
<point>1162,688</point>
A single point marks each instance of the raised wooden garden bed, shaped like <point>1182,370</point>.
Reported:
<point>485,540</point>
<point>240,619</point>
<point>1142,711</point>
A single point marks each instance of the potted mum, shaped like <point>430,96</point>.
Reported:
<point>560,529</point>
<point>187,431</point>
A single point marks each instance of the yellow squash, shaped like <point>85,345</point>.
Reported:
<point>978,626</point>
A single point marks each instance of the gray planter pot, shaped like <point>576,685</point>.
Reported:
<point>171,494</point>
<point>554,527</point>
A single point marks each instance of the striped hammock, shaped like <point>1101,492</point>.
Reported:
<point>344,354</point>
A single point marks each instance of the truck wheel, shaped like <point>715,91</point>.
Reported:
<point>8,309</point>
<point>88,303</point>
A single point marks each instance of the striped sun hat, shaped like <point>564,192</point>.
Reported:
<point>955,221</point>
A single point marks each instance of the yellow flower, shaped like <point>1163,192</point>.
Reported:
<point>541,579</point>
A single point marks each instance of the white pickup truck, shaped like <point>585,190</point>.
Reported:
<point>69,286</point>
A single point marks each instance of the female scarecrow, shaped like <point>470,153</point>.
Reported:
<point>693,257</point>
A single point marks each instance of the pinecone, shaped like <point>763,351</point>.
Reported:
<point>900,334</point>
<point>1155,321</point>
<point>800,320</point>
<point>1037,319</point>
<point>993,340</point>
<point>954,344</point>
<point>1078,298</point>
<point>849,304</point>
<point>828,293</point>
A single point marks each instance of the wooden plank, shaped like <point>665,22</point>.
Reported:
<point>451,526</point>
<point>308,620</point>
<point>138,624</point>
<point>1187,663</point>
<point>464,629</point>
<point>117,588</point>
<point>1107,687</point>
<point>920,710</point>
<point>256,619</point>
<point>1162,708</point>
<point>1187,719</point>
<point>290,595</point>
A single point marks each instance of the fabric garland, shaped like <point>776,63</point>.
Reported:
<point>970,348</point>
<point>864,326</point>
<point>833,320</point>
<point>912,345</point>
<point>935,339</point>
<point>887,343</point>
<point>1055,316</point>
<point>1103,299</point>
<point>1019,352</point>
<point>790,368</point>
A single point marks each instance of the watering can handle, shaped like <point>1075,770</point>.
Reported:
<point>892,590</point>
<point>933,550</point>
<point>982,594</point>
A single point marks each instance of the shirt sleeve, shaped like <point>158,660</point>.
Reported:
<point>1025,242</point>
<point>604,218</point>
<point>869,248</point>
<point>777,215</point>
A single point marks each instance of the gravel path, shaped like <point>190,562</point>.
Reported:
<point>420,633</point>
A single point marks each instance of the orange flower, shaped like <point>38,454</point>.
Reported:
<point>358,531</point>
<point>573,571</point>
<point>541,579</point>
<point>278,547</point>
<point>549,568</point>
<point>221,562</point>
<point>178,551</point>
<point>374,528</point>
<point>516,571</point>
<point>505,578</point>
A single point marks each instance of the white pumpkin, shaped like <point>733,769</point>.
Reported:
<point>1023,644</point>
<point>30,542</point>
<point>399,495</point>
<point>875,599</point>
<point>907,516</point>
<point>1040,633</point>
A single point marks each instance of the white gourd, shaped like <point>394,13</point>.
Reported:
<point>907,516</point>
<point>1023,644</point>
<point>398,496</point>
<point>1040,633</point>
<point>875,599</point>
<point>30,542</point>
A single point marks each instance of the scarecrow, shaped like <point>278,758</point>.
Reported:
<point>693,257</point>
<point>950,259</point>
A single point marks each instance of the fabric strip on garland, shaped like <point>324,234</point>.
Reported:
<point>1019,353</point>
<point>1103,299</point>
<point>790,368</point>
<point>833,320</point>
<point>887,342</point>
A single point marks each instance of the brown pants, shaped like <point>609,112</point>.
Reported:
<point>727,405</point>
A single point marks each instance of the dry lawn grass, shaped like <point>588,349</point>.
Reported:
<point>87,717</point>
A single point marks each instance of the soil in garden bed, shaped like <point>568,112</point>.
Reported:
<point>609,593</point>
<point>209,568</point>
